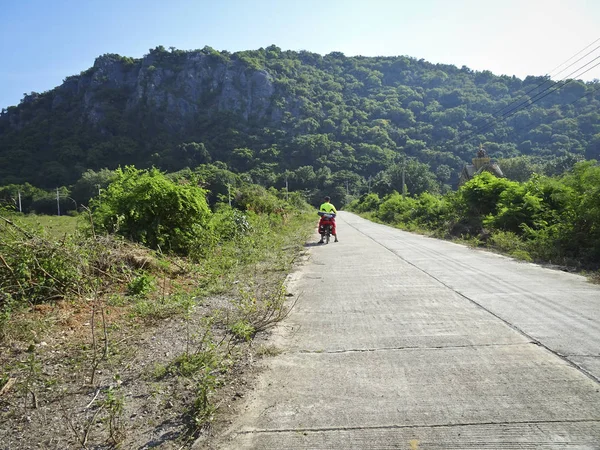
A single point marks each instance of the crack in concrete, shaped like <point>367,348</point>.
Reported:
<point>400,427</point>
<point>512,326</point>
<point>387,349</point>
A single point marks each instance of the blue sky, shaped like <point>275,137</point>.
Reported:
<point>44,41</point>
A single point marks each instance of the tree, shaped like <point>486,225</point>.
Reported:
<point>242,159</point>
<point>146,207</point>
<point>281,110</point>
<point>417,177</point>
<point>519,168</point>
<point>91,184</point>
<point>443,173</point>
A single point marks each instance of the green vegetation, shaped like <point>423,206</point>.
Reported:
<point>114,268</point>
<point>548,219</point>
<point>188,201</point>
<point>323,123</point>
<point>149,208</point>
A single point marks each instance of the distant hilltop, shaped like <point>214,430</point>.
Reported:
<point>268,111</point>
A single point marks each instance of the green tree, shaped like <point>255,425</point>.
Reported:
<point>91,184</point>
<point>147,207</point>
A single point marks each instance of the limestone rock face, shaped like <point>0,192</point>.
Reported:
<point>180,87</point>
<point>196,83</point>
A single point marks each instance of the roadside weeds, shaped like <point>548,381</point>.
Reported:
<point>144,365</point>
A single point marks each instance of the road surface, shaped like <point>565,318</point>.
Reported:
<point>400,341</point>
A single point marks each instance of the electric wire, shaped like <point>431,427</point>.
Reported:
<point>596,89</point>
<point>529,102</point>
<point>523,105</point>
<point>572,64</point>
<point>490,122</point>
<point>551,74</point>
<point>574,56</point>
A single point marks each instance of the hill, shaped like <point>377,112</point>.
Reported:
<point>277,114</point>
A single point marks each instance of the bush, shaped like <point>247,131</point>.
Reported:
<point>430,211</point>
<point>366,203</point>
<point>35,269</point>
<point>259,200</point>
<point>395,209</point>
<point>479,198</point>
<point>147,207</point>
<point>506,241</point>
<point>142,285</point>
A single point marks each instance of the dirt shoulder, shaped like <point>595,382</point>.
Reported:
<point>155,372</point>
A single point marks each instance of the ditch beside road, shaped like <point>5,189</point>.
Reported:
<point>403,341</point>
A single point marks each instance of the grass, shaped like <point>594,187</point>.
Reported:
<point>222,301</point>
<point>260,261</point>
<point>152,309</point>
<point>268,350</point>
<point>55,227</point>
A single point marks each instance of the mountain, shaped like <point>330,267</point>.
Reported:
<point>268,112</point>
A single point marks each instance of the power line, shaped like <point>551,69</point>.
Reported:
<point>532,100</point>
<point>574,56</point>
<point>527,103</point>
<point>587,54</point>
<point>560,87</point>
<point>596,89</point>
<point>550,75</point>
<point>491,121</point>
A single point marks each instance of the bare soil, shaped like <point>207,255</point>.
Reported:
<point>50,402</point>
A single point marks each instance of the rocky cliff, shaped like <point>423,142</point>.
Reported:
<point>181,85</point>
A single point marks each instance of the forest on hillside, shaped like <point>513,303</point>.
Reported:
<point>318,123</point>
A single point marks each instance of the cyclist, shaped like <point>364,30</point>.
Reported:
<point>327,207</point>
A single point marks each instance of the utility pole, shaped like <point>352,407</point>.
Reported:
<point>99,189</point>
<point>403,182</point>
<point>287,190</point>
<point>347,191</point>
<point>229,194</point>
<point>58,201</point>
<point>19,195</point>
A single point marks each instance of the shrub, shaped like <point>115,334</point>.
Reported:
<point>260,200</point>
<point>142,285</point>
<point>366,203</point>
<point>479,198</point>
<point>430,211</point>
<point>147,207</point>
<point>522,255</point>
<point>229,223</point>
<point>506,241</point>
<point>35,269</point>
<point>242,330</point>
<point>395,209</point>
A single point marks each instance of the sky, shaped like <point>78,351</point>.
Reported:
<point>44,41</point>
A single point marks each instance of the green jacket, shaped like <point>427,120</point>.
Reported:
<point>328,208</point>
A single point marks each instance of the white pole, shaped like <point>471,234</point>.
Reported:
<point>20,209</point>
<point>286,190</point>
<point>58,201</point>
<point>403,184</point>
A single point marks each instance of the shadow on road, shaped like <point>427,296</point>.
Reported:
<point>312,244</point>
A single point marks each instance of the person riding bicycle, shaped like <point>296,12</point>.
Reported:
<point>327,207</point>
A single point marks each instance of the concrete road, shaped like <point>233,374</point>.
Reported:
<point>399,341</point>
